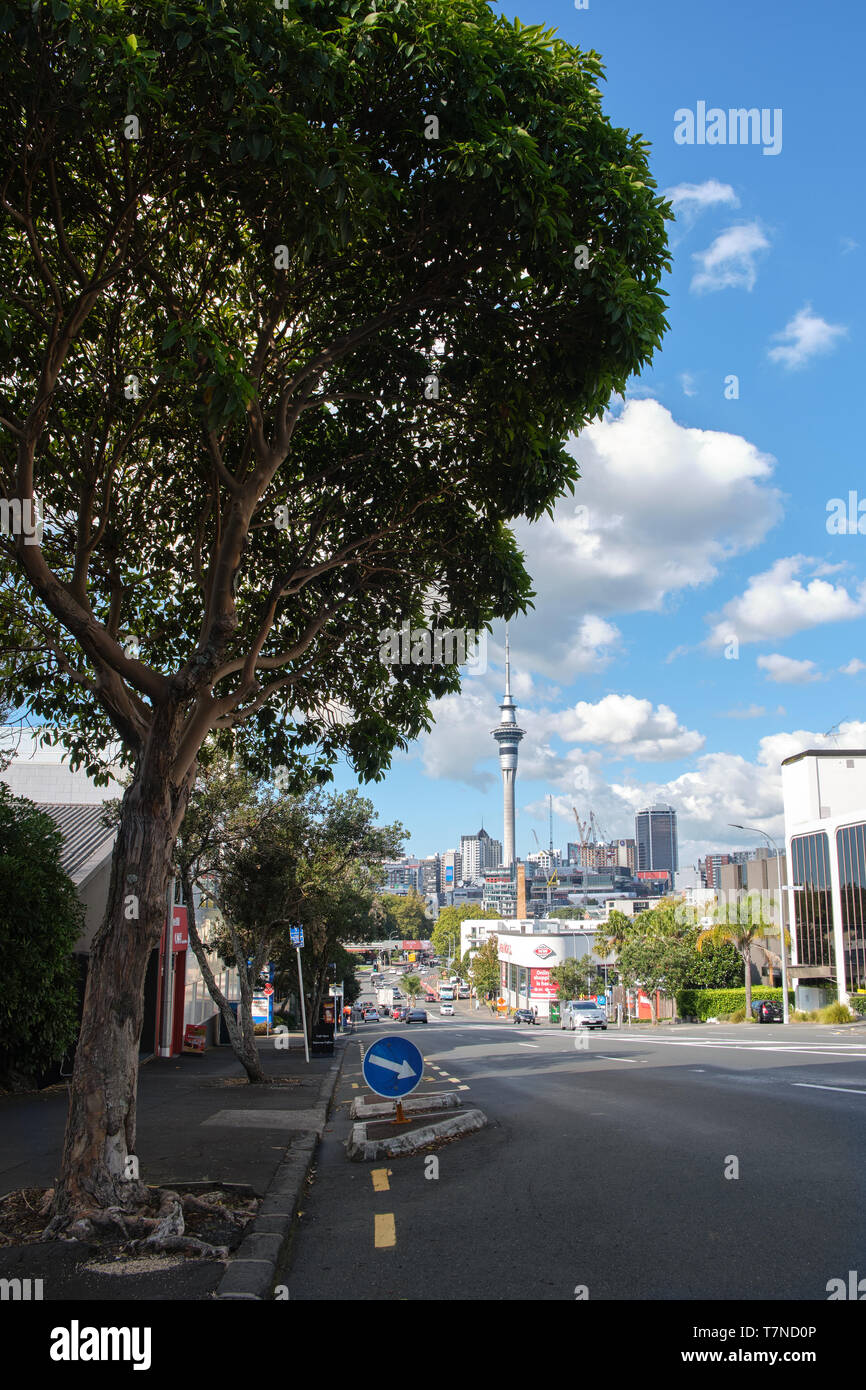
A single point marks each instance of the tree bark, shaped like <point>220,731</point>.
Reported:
<point>101,1122</point>
<point>747,962</point>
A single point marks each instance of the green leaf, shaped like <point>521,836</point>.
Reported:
<point>132,41</point>
<point>183,40</point>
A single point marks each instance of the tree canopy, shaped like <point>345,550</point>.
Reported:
<point>237,245</point>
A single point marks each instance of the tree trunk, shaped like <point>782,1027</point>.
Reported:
<point>747,962</point>
<point>249,1053</point>
<point>249,1060</point>
<point>101,1121</point>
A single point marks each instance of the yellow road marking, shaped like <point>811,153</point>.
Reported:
<point>454,1078</point>
<point>354,1085</point>
<point>384,1233</point>
<point>463,1088</point>
<point>380,1179</point>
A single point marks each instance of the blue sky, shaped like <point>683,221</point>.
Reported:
<point>705,517</point>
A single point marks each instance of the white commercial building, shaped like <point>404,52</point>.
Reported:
<point>824,795</point>
<point>528,949</point>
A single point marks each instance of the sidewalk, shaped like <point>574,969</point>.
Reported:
<point>199,1121</point>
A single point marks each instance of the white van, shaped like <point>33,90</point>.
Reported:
<point>582,1013</point>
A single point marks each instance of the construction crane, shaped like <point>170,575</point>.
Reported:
<point>582,826</point>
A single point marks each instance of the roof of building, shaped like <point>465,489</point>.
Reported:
<point>84,836</point>
<point>825,753</point>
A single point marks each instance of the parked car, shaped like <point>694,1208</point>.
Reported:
<point>582,1013</point>
<point>446,1008</point>
<point>524,1016</point>
<point>767,1011</point>
<point>416,1015</point>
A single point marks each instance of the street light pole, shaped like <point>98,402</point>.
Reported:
<point>782,891</point>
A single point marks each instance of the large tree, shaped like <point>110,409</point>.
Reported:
<point>446,933</point>
<point>299,307</point>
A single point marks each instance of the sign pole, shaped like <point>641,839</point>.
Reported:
<point>303,1007</point>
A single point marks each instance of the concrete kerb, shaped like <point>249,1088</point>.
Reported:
<point>378,1110</point>
<point>252,1270</point>
<point>359,1147</point>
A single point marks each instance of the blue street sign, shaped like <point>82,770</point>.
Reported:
<point>296,936</point>
<point>393,1067</point>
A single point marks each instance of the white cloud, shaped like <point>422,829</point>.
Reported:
<point>853,667</point>
<point>626,727</point>
<point>687,381</point>
<point>750,712</point>
<point>729,261</point>
<point>784,670</point>
<point>777,604</point>
<point>804,337</point>
<point>694,198</point>
<point>659,508</point>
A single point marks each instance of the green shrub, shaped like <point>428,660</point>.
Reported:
<point>857,1004</point>
<point>799,1016</point>
<point>712,1003</point>
<point>835,1013</point>
<point>738,1016</point>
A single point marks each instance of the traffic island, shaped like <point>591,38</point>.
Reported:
<point>362,1109</point>
<point>387,1138</point>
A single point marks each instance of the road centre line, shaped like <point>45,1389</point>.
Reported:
<point>384,1232</point>
<point>813,1086</point>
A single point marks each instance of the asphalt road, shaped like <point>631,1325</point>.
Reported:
<point>604,1165</point>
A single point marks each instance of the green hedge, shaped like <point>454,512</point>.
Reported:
<point>857,1004</point>
<point>710,1003</point>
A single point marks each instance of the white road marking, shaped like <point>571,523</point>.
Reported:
<point>536,1045</point>
<point>635,1061</point>
<point>813,1086</point>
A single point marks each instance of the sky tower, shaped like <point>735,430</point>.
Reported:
<point>508,736</point>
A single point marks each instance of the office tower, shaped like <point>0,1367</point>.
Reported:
<point>655,830</point>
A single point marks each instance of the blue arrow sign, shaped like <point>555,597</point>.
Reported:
<point>393,1067</point>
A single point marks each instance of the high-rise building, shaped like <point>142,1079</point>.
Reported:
<point>479,853</point>
<point>508,736</point>
<point>655,831</point>
<point>451,869</point>
<point>428,875</point>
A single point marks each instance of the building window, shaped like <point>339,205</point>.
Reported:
<point>810,857</point>
<point>851,848</point>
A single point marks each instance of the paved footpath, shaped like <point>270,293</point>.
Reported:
<point>198,1121</point>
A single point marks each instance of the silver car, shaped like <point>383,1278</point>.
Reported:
<point>582,1013</point>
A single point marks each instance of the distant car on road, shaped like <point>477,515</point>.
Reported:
<point>582,1013</point>
<point>429,998</point>
<point>767,1011</point>
<point>400,1015</point>
<point>416,1015</point>
<point>372,1016</point>
<point>524,1016</point>
<point>446,1008</point>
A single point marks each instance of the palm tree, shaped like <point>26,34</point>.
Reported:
<point>413,987</point>
<point>741,923</point>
